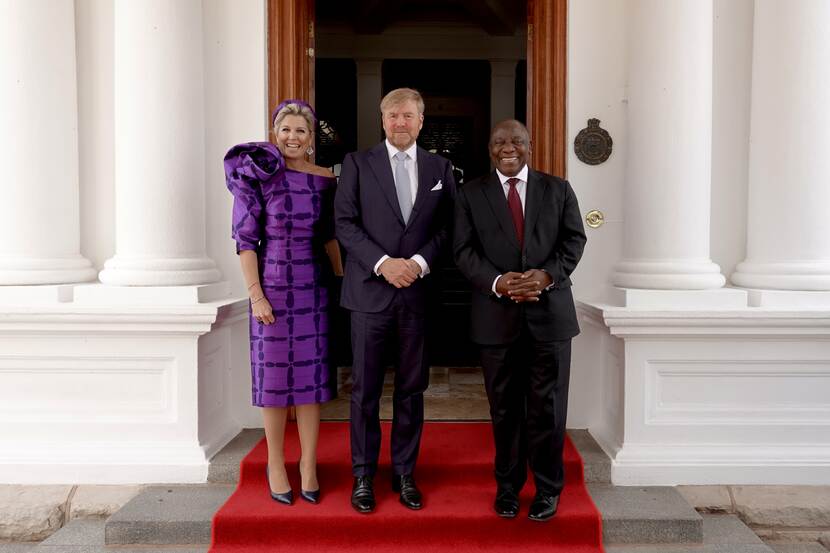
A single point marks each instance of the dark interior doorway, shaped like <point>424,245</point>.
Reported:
<point>457,94</point>
<point>457,108</point>
<point>456,126</point>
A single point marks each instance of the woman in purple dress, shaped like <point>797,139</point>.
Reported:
<point>284,228</point>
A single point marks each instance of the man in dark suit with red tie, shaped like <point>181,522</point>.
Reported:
<point>518,237</point>
<point>393,214</point>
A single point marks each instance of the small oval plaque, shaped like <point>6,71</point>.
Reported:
<point>593,144</point>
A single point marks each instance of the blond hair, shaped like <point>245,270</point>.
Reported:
<point>401,95</point>
<point>295,109</point>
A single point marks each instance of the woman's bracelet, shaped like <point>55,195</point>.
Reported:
<point>258,299</point>
<point>252,285</point>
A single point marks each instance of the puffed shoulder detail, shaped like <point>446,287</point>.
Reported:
<point>253,161</point>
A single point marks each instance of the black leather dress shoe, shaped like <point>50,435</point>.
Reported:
<point>286,498</point>
<point>363,494</point>
<point>507,503</point>
<point>543,507</point>
<point>410,494</point>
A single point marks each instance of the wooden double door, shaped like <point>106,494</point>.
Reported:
<point>291,74</point>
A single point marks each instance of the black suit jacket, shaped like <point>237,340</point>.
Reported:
<point>485,246</point>
<point>369,225</point>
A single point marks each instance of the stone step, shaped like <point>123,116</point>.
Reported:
<point>24,547</point>
<point>164,515</point>
<point>596,461</point>
<point>721,534</point>
<point>643,515</point>
<point>224,467</point>
<point>87,536</point>
<point>809,547</point>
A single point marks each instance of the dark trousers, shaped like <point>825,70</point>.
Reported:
<point>527,386</point>
<point>372,335</point>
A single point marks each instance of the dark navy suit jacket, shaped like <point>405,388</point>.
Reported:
<point>369,225</point>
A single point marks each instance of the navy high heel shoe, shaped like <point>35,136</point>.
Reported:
<point>311,497</point>
<point>286,498</point>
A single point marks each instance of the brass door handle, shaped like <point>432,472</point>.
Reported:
<point>595,218</point>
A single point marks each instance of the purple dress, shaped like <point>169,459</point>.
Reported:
<point>286,217</point>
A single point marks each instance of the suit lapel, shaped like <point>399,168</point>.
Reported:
<point>534,200</point>
<point>425,171</point>
<point>495,195</point>
<point>382,168</point>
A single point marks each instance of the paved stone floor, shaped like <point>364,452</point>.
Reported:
<point>453,394</point>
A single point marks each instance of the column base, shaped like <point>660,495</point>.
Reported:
<point>720,298</point>
<point>783,276</point>
<point>46,270</point>
<point>730,396</point>
<point>668,275</point>
<point>44,294</point>
<point>789,299</point>
<point>120,394</point>
<point>699,464</point>
<point>104,295</point>
<point>135,271</point>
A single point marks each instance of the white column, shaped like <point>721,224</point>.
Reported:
<point>668,175</point>
<point>369,95</point>
<point>502,90</point>
<point>39,213</point>
<point>788,234</point>
<point>160,147</point>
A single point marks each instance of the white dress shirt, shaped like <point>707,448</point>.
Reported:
<point>521,188</point>
<point>411,166</point>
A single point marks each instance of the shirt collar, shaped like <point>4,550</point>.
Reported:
<point>411,151</point>
<point>521,175</point>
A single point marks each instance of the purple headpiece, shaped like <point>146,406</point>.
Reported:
<point>301,103</point>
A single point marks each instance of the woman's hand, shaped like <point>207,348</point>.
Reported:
<point>262,312</point>
<point>260,308</point>
<point>333,251</point>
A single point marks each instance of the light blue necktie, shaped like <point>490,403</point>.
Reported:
<point>402,185</point>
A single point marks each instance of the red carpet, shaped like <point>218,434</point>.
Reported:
<point>456,476</point>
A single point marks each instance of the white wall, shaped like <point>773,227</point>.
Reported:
<point>236,110</point>
<point>732,81</point>
<point>597,89</point>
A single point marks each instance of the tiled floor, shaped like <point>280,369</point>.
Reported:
<point>454,393</point>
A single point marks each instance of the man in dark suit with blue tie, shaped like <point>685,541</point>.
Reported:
<point>393,213</point>
<point>518,236</point>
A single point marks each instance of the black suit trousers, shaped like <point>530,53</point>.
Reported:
<point>374,334</point>
<point>527,387</point>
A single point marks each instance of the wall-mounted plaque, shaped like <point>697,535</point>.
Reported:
<point>593,144</point>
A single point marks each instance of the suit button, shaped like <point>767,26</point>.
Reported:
<point>524,260</point>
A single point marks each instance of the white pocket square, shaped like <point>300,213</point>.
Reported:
<point>438,186</point>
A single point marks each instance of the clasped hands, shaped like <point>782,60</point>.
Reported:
<point>522,287</point>
<point>400,272</point>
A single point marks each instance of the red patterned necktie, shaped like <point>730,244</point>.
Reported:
<point>515,205</point>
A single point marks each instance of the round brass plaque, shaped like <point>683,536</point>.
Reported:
<point>593,144</point>
<point>595,218</point>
